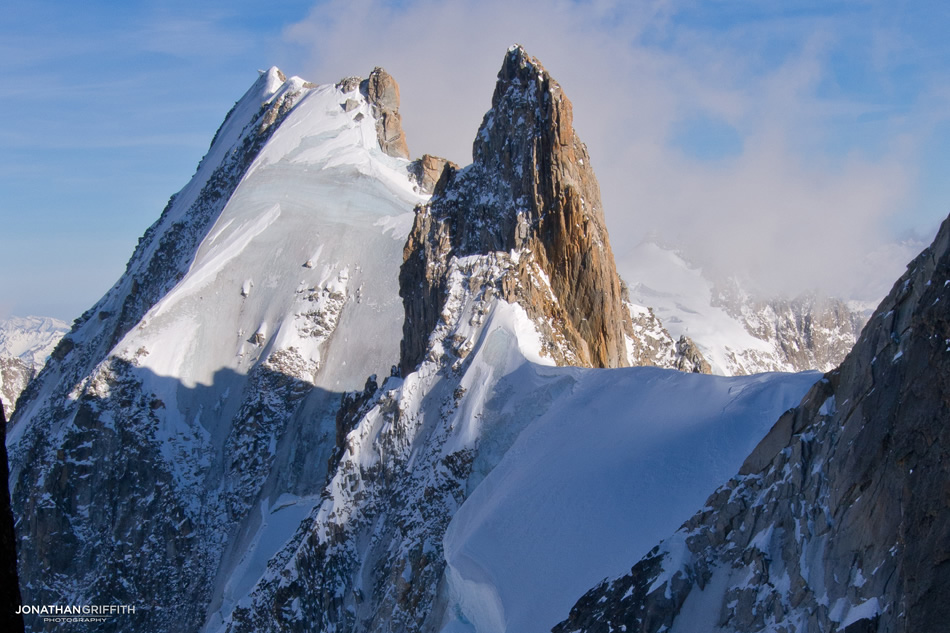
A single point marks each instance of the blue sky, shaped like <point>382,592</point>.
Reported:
<point>796,140</point>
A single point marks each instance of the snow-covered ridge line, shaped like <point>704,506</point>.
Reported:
<point>196,400</point>
<point>164,253</point>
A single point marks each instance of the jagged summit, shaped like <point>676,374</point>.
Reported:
<point>382,91</point>
<point>206,445</point>
<point>529,193</point>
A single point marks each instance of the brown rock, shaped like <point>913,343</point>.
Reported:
<point>428,171</point>
<point>530,189</point>
<point>382,91</point>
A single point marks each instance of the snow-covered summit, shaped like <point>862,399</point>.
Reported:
<point>198,397</point>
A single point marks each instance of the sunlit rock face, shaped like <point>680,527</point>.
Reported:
<point>531,193</point>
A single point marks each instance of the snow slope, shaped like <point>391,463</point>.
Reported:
<point>615,459</point>
<point>197,399</point>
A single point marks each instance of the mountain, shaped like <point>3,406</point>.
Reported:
<point>25,344</point>
<point>736,330</point>
<point>464,484</point>
<point>839,520</point>
<point>321,399</point>
<point>200,393</point>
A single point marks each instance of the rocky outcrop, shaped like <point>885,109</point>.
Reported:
<point>382,91</point>
<point>840,519</point>
<point>689,358</point>
<point>649,344</point>
<point>9,584</point>
<point>530,193</point>
<point>429,170</point>
<point>15,375</point>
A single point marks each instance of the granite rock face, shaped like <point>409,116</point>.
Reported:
<point>840,518</point>
<point>382,91</point>
<point>529,193</point>
<point>428,171</point>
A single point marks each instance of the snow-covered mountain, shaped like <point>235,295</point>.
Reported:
<point>456,481</point>
<point>839,520</point>
<point>25,344</point>
<point>31,338</point>
<point>320,399</point>
<point>739,332</point>
<point>202,389</point>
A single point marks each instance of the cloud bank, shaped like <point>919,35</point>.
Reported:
<point>758,141</point>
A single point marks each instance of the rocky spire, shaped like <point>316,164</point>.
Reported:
<point>840,519</point>
<point>530,190</point>
<point>382,91</point>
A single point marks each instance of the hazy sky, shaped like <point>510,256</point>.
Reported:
<point>796,142</point>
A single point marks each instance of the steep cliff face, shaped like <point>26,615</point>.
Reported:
<point>530,196</point>
<point>840,518</point>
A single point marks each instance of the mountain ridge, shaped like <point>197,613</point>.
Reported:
<point>838,519</point>
<point>217,440</point>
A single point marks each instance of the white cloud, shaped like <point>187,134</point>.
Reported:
<point>796,209</point>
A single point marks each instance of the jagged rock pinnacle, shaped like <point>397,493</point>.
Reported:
<point>382,91</point>
<point>530,188</point>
